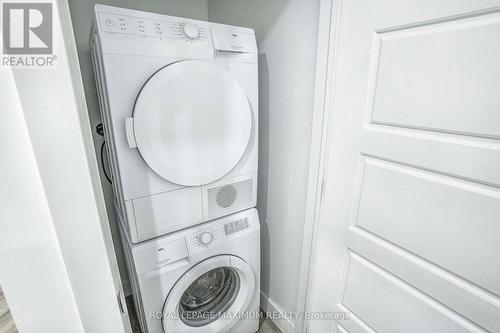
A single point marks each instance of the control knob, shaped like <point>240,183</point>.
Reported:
<point>190,31</point>
<point>205,238</point>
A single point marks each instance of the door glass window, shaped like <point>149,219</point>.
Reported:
<point>209,296</point>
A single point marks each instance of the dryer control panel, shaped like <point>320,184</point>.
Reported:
<point>132,32</point>
<point>161,29</point>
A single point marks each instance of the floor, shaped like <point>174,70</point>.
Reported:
<point>6,322</point>
<point>266,325</point>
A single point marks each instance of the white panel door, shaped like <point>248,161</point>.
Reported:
<point>409,231</point>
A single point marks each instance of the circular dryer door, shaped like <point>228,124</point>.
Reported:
<point>209,296</point>
<point>192,122</point>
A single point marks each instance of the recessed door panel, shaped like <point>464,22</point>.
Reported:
<point>442,77</point>
<point>436,217</point>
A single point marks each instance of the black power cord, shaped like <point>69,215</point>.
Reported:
<point>102,163</point>
<point>100,130</point>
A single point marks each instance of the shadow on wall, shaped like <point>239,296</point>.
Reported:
<point>252,14</point>
<point>263,175</point>
<point>264,17</point>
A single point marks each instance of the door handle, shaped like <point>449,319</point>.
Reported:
<point>129,131</point>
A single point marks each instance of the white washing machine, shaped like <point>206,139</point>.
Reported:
<point>204,279</point>
<point>178,100</point>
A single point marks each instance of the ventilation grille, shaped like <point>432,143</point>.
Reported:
<point>226,196</point>
<point>230,198</point>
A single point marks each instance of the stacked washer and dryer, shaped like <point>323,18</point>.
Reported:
<point>179,99</point>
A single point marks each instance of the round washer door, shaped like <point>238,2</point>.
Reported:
<point>209,296</point>
<point>192,122</point>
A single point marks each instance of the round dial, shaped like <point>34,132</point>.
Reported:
<point>205,238</point>
<point>190,31</point>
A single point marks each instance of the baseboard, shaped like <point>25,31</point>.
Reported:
<point>285,324</point>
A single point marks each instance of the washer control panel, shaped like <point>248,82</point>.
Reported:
<point>190,32</point>
<point>225,229</point>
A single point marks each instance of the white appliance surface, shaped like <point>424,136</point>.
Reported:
<point>178,101</point>
<point>184,270</point>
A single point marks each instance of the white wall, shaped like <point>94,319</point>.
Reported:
<point>55,268</point>
<point>82,14</point>
<point>32,271</point>
<point>287,33</point>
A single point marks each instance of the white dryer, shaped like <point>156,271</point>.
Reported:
<point>203,279</point>
<point>178,99</point>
